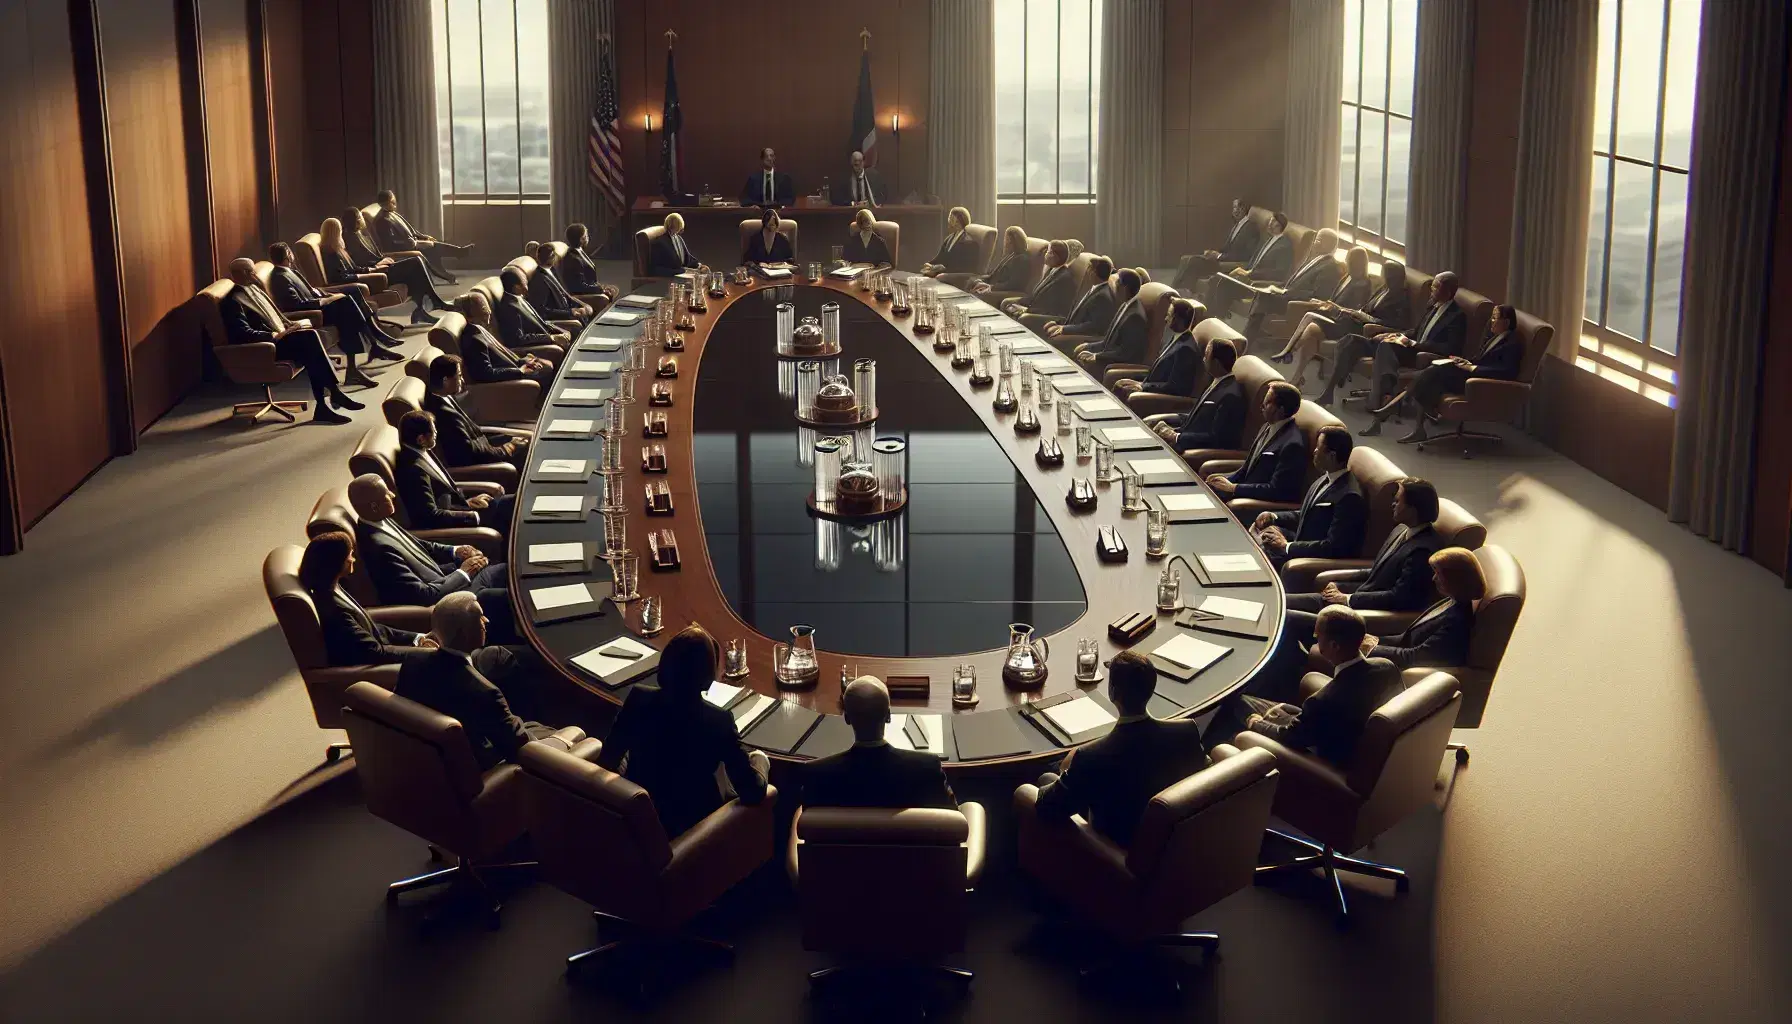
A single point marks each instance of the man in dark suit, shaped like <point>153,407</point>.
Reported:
<point>1093,312</point>
<point>871,772</point>
<point>959,253</point>
<point>406,569</point>
<point>1178,364</point>
<point>1241,243</point>
<point>251,317</point>
<point>431,498</point>
<point>1217,417</point>
<point>578,271</point>
<point>465,679</point>
<point>1273,261</point>
<point>1111,780</point>
<point>1124,340</point>
<point>1276,466</point>
<point>357,329</point>
<point>1331,721</point>
<point>548,294</point>
<point>1313,279</point>
<point>668,255</point>
<point>395,234</point>
<point>520,324</point>
<point>486,359</point>
<point>1332,516</point>
<point>768,186</point>
<point>862,186</point>
<point>1055,291</point>
<point>459,440</point>
<point>669,741</point>
<point>1440,333</point>
<point>1399,580</point>
<point>1501,358</point>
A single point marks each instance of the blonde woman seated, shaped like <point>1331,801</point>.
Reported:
<point>1389,306</point>
<point>864,244</point>
<point>1010,273</point>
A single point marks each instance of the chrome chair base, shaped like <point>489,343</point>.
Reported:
<point>1332,862</point>
<point>469,887</point>
<point>648,953</point>
<point>1462,436</point>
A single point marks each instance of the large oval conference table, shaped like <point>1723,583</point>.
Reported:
<point>986,538</point>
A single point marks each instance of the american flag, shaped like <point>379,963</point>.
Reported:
<point>603,150</point>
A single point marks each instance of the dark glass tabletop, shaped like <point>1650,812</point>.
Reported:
<point>972,552</point>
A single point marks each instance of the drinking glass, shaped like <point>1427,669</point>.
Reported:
<point>1157,532</point>
<point>625,572</point>
<point>651,619</point>
<point>1063,413</point>
<point>1085,441</point>
<point>1088,659</point>
<point>734,659</point>
<point>615,532</point>
<point>1104,462</point>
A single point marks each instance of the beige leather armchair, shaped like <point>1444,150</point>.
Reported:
<point>377,453</point>
<point>1484,399</point>
<point>1035,269</point>
<point>297,616</point>
<point>599,838</point>
<point>1311,418</point>
<point>507,406</point>
<point>1392,775</point>
<point>1196,844</point>
<point>1155,299</point>
<point>418,772</point>
<point>750,226</point>
<point>986,238</point>
<point>308,254</point>
<point>905,869</point>
<point>1206,329</point>
<point>891,233</point>
<point>644,240</point>
<point>1255,376</point>
<point>253,363</point>
<point>1454,526</point>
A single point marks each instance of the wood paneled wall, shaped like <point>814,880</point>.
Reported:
<point>237,181</point>
<point>776,74</point>
<point>53,364</point>
<point>1223,117</point>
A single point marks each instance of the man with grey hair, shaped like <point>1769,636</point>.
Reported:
<point>863,186</point>
<point>251,317</point>
<point>407,569</point>
<point>872,772</point>
<point>456,679</point>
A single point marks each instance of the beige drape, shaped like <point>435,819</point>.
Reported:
<point>1315,85</point>
<point>1441,89</point>
<point>1129,196</point>
<point>404,110</point>
<point>961,110</point>
<point>576,29</point>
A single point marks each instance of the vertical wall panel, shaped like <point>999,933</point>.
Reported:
<point>51,352</point>
<point>231,95</point>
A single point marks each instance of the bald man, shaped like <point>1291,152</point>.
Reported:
<point>862,185</point>
<point>871,772</point>
<point>409,570</point>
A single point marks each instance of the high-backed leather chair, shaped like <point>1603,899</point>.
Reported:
<point>1484,399</point>
<point>986,238</point>
<point>1196,844</point>
<point>1155,299</point>
<point>644,240</point>
<point>886,884</point>
<point>297,615</point>
<point>750,226</point>
<point>332,512</point>
<point>1392,774</point>
<point>1154,404</point>
<point>599,838</point>
<point>596,300</point>
<point>1311,418</point>
<point>891,233</point>
<point>1255,376</point>
<point>377,453</point>
<point>1035,269</point>
<point>492,288</point>
<point>1380,479</point>
<point>506,406</point>
<point>308,254</point>
<point>418,772</point>
<point>253,363</point>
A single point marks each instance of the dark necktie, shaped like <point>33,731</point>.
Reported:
<point>766,189</point>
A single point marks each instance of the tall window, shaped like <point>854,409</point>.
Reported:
<point>1380,47</point>
<point>491,60</point>
<point>1048,98</point>
<point>1642,145</point>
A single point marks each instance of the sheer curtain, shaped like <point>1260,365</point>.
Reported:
<point>404,110</point>
<point>1129,196</point>
<point>961,110</point>
<point>1729,244</point>
<point>1440,116</point>
<point>1315,91</point>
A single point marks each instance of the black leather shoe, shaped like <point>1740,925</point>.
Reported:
<point>1372,430</point>
<point>422,316</point>
<point>326,415</point>
<point>342,401</point>
<point>359,379</point>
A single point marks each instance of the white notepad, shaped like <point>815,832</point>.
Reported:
<point>602,665</point>
<point>546,599</point>
<point>720,693</point>
<point>1229,563</point>
<point>600,345</point>
<point>556,554</point>
<point>1131,434</point>
<point>774,272</point>
<point>1189,652</point>
<point>621,318</point>
<point>593,366</point>
<point>1232,607</point>
<point>846,273</point>
<point>1147,467</point>
<point>932,727</point>
<point>564,466</point>
<point>570,427</point>
<point>637,299</point>
<point>748,711</point>
<point>557,504</point>
<point>1191,502</point>
<point>582,394</point>
<point>1079,717</point>
<point>1096,405</point>
<point>1049,362</point>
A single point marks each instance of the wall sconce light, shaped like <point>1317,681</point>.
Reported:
<point>895,123</point>
<point>647,123</point>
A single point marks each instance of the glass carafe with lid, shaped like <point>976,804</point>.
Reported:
<point>1024,666</point>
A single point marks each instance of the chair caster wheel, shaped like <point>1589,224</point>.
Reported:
<point>332,755</point>
<point>1420,446</point>
<point>1462,756</point>
<point>1402,884</point>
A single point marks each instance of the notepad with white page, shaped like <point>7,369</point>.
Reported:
<point>896,732</point>
<point>1232,607</point>
<point>570,428</point>
<point>846,273</point>
<point>1097,405</point>
<point>605,666</point>
<point>749,711</point>
<point>621,318</point>
<point>583,394</point>
<point>557,504</point>
<point>1190,502</point>
<point>547,599</point>
<point>1190,654</point>
<point>1148,467</point>
<point>568,466</point>
<point>1130,434</point>
<point>776,273</point>
<point>720,693</point>
<point>1229,563</point>
<point>637,300</point>
<point>591,368</point>
<point>1079,719</point>
<point>572,552</point>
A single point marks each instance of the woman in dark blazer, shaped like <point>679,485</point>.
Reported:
<point>865,245</point>
<point>351,637</point>
<point>1388,306</point>
<point>669,740</point>
<point>348,255</point>
<point>1439,637</point>
<point>769,245</point>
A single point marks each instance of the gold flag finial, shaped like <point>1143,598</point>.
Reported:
<point>865,37</point>
<point>671,37</point>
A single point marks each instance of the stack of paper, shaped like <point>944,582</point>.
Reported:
<point>1240,562</point>
<point>1088,406</point>
<point>1080,719</point>
<point>720,693</point>
<point>601,345</point>
<point>847,272</point>
<point>570,468</point>
<point>581,395</point>
<point>566,554</point>
<point>773,273</point>
<point>591,368</point>
<point>750,710</point>
<point>570,507</point>
<point>637,300</point>
<point>1193,501</point>
<point>1189,653</point>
